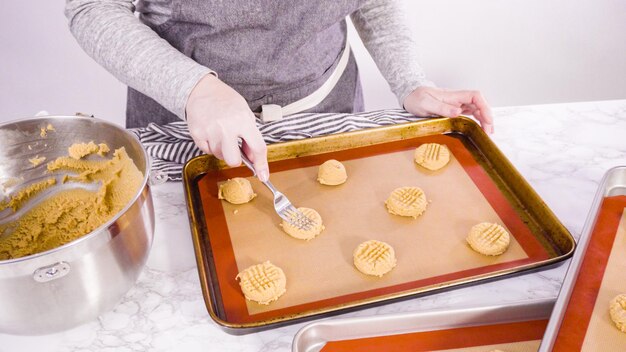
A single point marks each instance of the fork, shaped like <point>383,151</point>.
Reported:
<point>282,205</point>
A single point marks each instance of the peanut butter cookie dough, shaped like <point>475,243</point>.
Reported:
<point>432,156</point>
<point>37,160</point>
<point>407,201</point>
<point>69,214</point>
<point>237,190</point>
<point>80,150</point>
<point>374,258</point>
<point>303,234</point>
<point>617,310</point>
<point>488,239</point>
<point>43,132</point>
<point>332,173</point>
<point>262,283</point>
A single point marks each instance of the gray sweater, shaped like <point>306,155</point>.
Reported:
<point>127,47</point>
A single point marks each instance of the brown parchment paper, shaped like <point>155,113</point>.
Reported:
<point>602,335</point>
<point>522,346</point>
<point>431,245</point>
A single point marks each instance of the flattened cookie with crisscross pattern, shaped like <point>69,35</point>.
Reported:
<point>407,201</point>
<point>300,233</point>
<point>617,311</point>
<point>432,156</point>
<point>262,283</point>
<point>374,258</point>
<point>488,238</point>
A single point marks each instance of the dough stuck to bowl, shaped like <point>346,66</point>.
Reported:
<point>80,150</point>
<point>236,191</point>
<point>332,173</point>
<point>262,283</point>
<point>69,214</point>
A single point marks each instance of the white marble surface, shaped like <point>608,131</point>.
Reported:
<point>562,150</point>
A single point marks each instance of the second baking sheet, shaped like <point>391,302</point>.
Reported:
<point>522,336</point>
<point>431,250</point>
<point>587,325</point>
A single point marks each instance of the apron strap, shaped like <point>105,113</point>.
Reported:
<point>273,112</point>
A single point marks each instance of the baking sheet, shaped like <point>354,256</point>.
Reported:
<point>581,320</point>
<point>430,249</point>
<point>542,237</point>
<point>587,325</point>
<point>518,337</point>
<point>515,327</point>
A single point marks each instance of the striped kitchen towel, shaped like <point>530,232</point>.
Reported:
<point>171,145</point>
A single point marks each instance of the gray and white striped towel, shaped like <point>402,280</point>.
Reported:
<point>171,145</point>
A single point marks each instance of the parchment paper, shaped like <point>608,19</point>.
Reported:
<point>431,245</point>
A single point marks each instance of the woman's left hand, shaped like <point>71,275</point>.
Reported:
<point>428,101</point>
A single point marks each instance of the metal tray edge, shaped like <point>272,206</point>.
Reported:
<point>313,336</point>
<point>606,185</point>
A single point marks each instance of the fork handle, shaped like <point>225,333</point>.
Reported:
<point>247,162</point>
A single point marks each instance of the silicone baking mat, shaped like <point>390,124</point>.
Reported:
<point>430,250</point>
<point>510,337</point>
<point>586,324</point>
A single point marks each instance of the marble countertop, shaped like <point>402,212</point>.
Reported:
<point>563,150</point>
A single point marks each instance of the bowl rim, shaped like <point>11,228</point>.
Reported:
<point>100,229</point>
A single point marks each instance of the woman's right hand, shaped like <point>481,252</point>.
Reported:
<point>217,117</point>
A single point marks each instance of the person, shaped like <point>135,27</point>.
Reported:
<point>216,63</point>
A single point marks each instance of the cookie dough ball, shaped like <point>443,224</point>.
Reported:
<point>374,258</point>
<point>332,173</point>
<point>488,238</point>
<point>617,309</point>
<point>302,234</point>
<point>262,283</point>
<point>432,156</point>
<point>236,191</point>
<point>407,201</point>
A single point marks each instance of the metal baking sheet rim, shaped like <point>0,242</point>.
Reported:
<point>614,179</point>
<point>197,166</point>
<point>312,337</point>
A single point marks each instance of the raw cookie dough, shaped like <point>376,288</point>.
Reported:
<point>236,191</point>
<point>617,309</point>
<point>374,258</point>
<point>488,238</point>
<point>69,214</point>
<point>302,234</point>
<point>262,283</point>
<point>43,133</point>
<point>432,156</point>
<point>80,150</point>
<point>332,173</point>
<point>407,201</point>
<point>37,160</point>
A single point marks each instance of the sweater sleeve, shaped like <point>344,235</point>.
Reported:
<point>113,36</point>
<point>382,26</point>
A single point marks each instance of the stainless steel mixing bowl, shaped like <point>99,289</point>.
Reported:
<point>72,284</point>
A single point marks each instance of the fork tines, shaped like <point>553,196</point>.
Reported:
<point>298,219</point>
